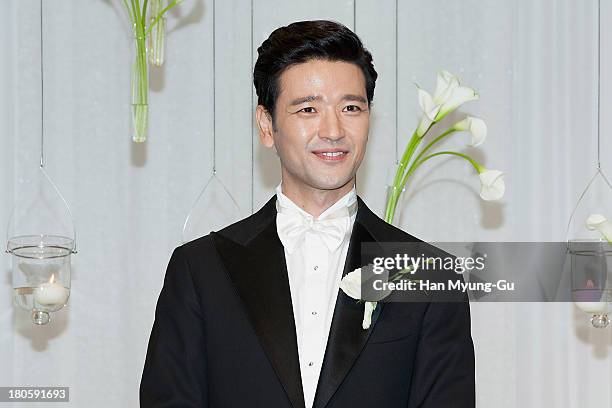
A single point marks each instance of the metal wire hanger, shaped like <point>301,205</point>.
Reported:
<point>598,171</point>
<point>42,169</point>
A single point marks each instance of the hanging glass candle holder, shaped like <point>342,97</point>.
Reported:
<point>214,209</point>
<point>591,263</point>
<point>41,239</point>
<point>588,243</point>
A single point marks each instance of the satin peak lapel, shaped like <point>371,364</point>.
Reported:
<point>259,273</point>
<point>346,336</point>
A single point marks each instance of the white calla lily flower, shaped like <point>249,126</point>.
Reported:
<point>427,104</point>
<point>493,186</point>
<point>460,95</point>
<point>449,95</point>
<point>424,124</point>
<point>430,110</point>
<point>600,223</point>
<point>351,284</point>
<point>477,127</point>
<point>445,86</point>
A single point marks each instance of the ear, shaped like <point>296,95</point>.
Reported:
<point>264,124</point>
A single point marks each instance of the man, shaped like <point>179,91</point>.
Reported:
<point>251,316</point>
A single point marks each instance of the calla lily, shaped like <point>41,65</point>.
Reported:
<point>430,111</point>
<point>477,127</point>
<point>460,95</point>
<point>445,87</point>
<point>351,284</point>
<point>493,186</point>
<point>449,95</point>
<point>600,223</point>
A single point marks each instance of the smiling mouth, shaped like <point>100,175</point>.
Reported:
<point>331,155</point>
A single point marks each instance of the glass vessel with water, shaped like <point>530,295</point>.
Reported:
<point>41,239</point>
<point>41,273</point>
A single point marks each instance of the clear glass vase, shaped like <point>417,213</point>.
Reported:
<point>394,198</point>
<point>140,87</point>
<point>394,205</point>
<point>157,37</point>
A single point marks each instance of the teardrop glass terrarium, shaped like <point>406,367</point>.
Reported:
<point>588,242</point>
<point>41,239</point>
<point>214,209</point>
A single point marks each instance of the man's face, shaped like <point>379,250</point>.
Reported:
<point>322,121</point>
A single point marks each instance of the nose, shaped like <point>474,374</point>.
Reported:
<point>330,127</point>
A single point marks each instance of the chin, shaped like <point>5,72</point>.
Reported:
<point>331,183</point>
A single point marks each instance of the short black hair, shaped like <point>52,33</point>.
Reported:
<point>303,41</point>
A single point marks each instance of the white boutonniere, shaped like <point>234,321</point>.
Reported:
<point>351,285</point>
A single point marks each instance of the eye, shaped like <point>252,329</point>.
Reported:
<point>352,108</point>
<point>308,109</point>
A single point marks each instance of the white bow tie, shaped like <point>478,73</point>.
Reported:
<point>292,225</point>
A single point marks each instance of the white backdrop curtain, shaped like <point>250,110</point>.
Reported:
<point>534,64</point>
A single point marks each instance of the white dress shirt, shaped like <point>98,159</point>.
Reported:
<point>314,272</point>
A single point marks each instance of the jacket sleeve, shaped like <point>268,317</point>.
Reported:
<point>174,373</point>
<point>444,375</point>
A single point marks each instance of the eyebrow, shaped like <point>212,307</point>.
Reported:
<point>311,98</point>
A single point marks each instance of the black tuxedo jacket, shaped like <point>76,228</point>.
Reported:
<point>224,334</point>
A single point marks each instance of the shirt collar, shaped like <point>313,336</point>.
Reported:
<point>348,200</point>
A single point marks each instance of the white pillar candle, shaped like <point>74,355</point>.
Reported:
<point>51,294</point>
<point>594,307</point>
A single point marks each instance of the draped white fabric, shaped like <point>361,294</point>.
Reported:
<point>534,64</point>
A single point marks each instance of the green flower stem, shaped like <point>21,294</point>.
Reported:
<point>392,204</point>
<point>136,10</point>
<point>140,89</point>
<point>473,162</point>
<point>430,144</point>
<point>415,162</point>
<point>161,14</point>
<point>395,194</point>
<point>140,78</point>
<point>412,144</point>
<point>129,10</point>
<point>397,189</point>
<point>157,35</point>
<point>400,274</point>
